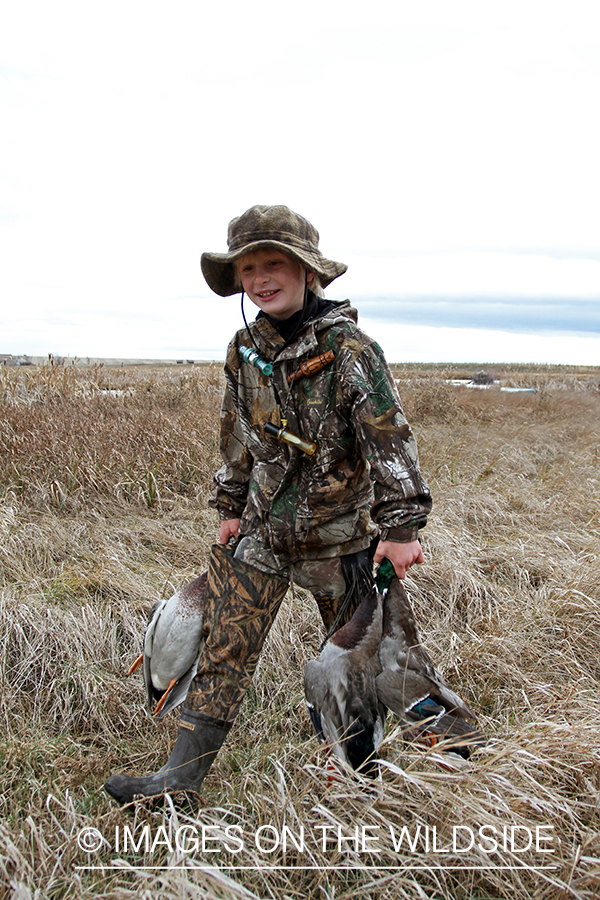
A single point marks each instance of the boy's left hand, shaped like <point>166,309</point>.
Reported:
<point>401,556</point>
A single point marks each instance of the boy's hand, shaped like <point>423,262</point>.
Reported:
<point>401,556</point>
<point>229,528</point>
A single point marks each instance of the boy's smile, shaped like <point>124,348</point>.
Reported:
<point>273,281</point>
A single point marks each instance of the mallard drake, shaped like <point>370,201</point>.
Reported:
<point>412,688</point>
<point>340,688</point>
<point>172,645</point>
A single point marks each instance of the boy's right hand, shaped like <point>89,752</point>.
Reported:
<point>229,528</point>
<point>401,555</point>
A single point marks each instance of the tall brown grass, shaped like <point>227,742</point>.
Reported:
<point>104,478</point>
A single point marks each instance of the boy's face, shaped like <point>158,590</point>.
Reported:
<point>273,281</point>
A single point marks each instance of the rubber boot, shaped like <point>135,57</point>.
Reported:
<point>198,742</point>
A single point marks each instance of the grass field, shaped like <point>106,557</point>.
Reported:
<point>104,480</point>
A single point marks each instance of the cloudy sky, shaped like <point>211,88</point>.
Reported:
<point>446,150</point>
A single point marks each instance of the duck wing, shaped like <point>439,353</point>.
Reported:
<point>152,692</point>
<point>401,687</point>
<point>410,685</point>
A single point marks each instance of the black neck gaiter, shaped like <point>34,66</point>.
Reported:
<point>314,308</point>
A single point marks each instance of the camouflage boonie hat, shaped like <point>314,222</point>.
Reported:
<point>268,226</point>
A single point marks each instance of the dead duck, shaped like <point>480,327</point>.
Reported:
<point>340,688</point>
<point>412,688</point>
<point>172,644</point>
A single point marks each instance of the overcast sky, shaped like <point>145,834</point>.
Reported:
<point>448,151</point>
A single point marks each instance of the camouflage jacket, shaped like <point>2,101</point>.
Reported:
<point>364,476</point>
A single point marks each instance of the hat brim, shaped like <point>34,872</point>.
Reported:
<point>219,269</point>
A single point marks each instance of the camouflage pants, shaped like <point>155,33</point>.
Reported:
<point>324,578</point>
<point>243,595</point>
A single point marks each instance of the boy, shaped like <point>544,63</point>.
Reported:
<point>318,461</point>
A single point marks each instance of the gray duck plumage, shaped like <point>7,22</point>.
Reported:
<point>172,645</point>
<point>340,688</point>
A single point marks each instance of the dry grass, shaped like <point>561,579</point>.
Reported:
<point>104,477</point>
